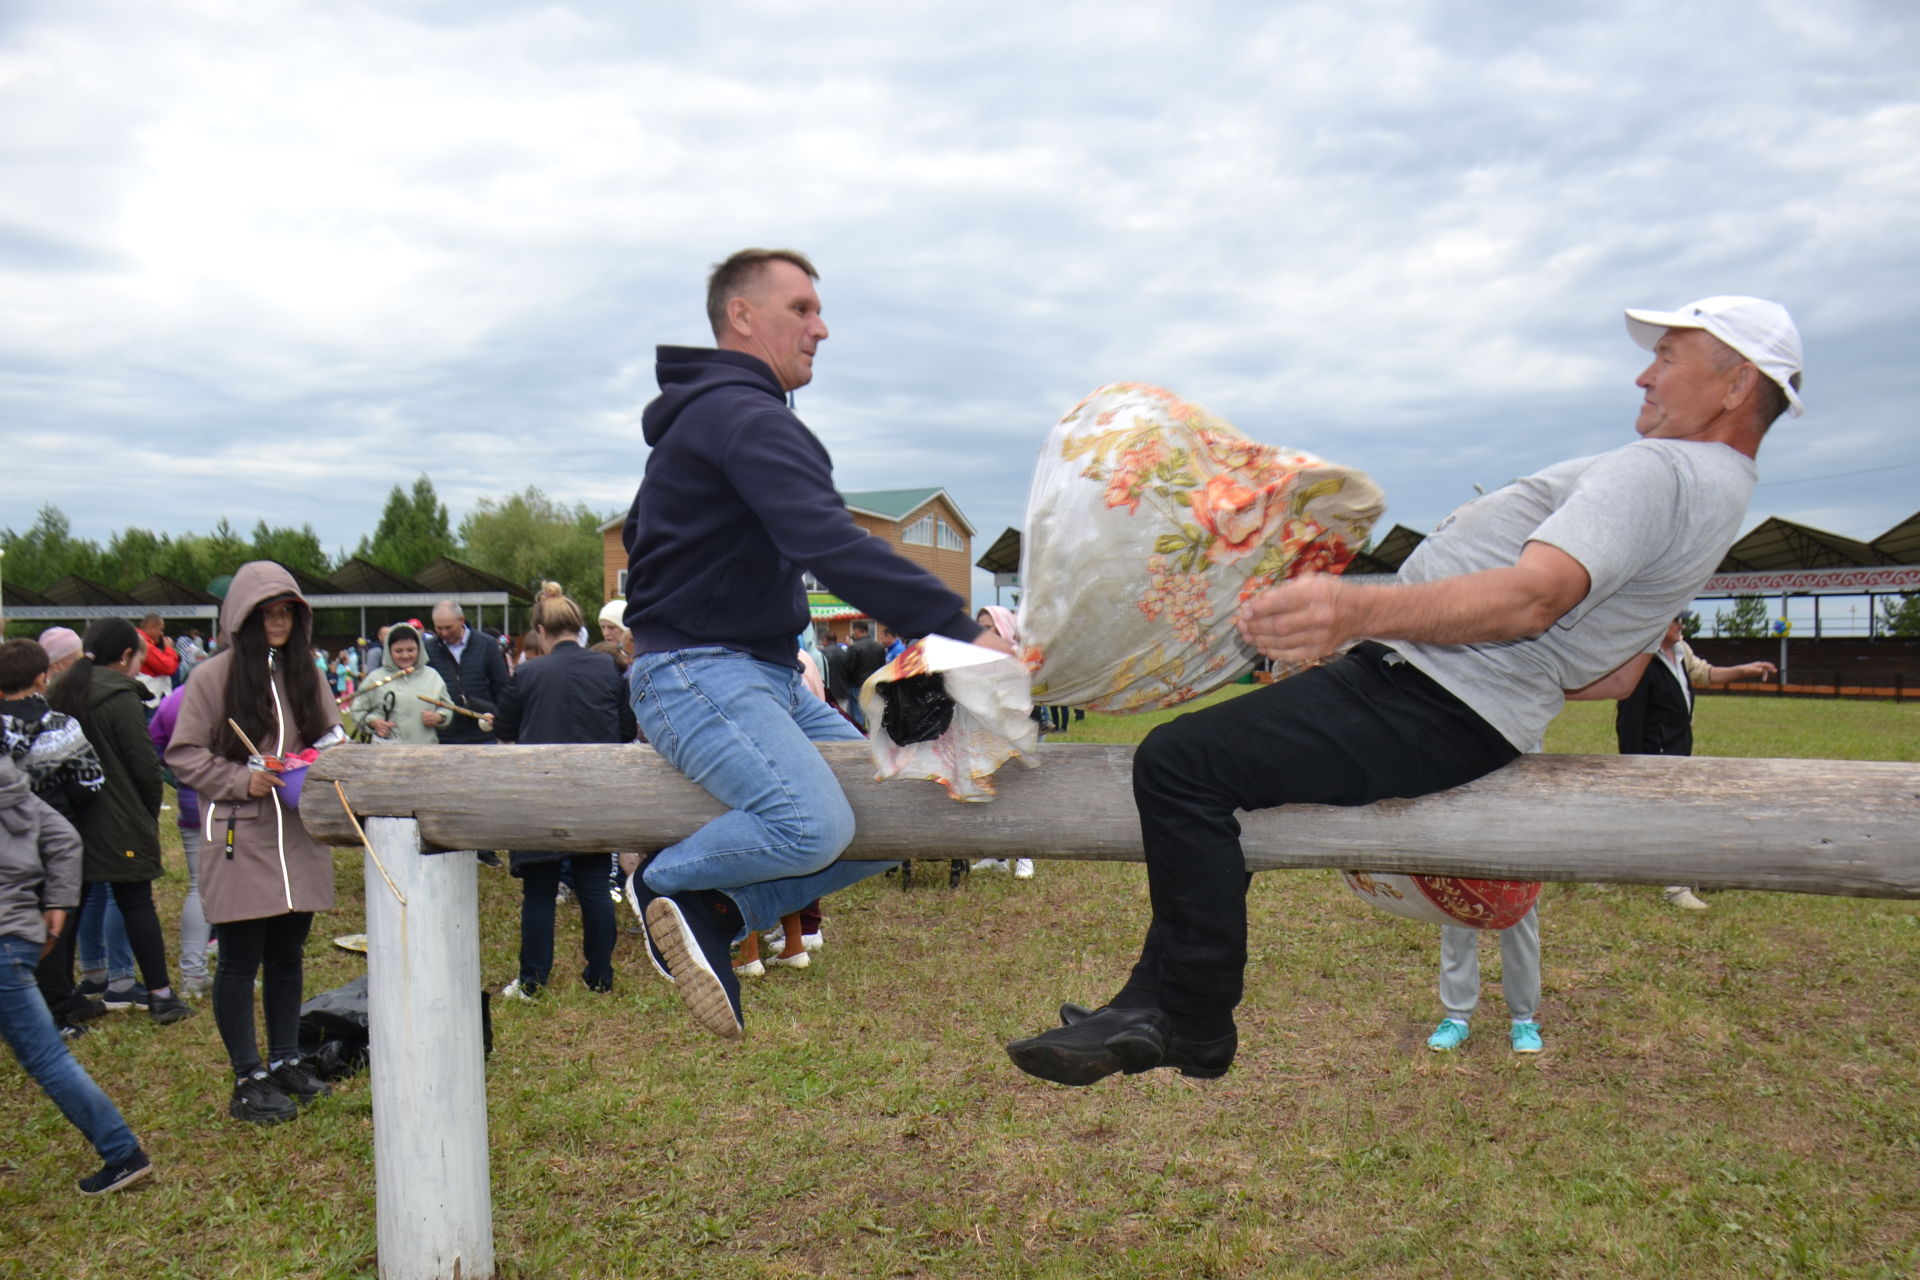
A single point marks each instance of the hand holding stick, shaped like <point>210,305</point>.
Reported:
<point>450,707</point>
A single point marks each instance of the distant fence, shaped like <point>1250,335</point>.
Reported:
<point>1897,686</point>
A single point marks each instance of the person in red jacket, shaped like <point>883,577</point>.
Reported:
<point>162,662</point>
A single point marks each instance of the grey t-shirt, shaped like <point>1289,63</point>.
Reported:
<point>1649,522</point>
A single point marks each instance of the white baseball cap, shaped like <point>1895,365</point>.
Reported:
<point>1761,331</point>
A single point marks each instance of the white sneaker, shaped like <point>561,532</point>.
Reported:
<point>778,938</point>
<point>800,961</point>
<point>990,864</point>
<point>1023,868</point>
<point>513,991</point>
<point>1685,899</point>
<point>751,969</point>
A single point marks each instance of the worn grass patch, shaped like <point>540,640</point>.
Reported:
<point>1725,1094</point>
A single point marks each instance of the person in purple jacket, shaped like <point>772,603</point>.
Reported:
<point>195,932</point>
<point>737,503</point>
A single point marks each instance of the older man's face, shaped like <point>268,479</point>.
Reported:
<point>1685,386</point>
<point>783,311</point>
<point>450,627</point>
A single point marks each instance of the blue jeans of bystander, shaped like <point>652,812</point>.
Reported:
<point>35,1041</point>
<point>745,730</point>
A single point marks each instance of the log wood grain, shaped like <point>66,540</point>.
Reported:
<point>1807,826</point>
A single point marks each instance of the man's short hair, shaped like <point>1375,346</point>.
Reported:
<point>738,273</point>
<point>21,663</point>
<point>449,609</point>
<point>861,629</point>
<point>152,617</point>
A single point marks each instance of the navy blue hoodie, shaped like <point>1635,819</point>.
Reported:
<point>737,501</point>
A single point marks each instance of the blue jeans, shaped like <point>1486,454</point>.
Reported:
<point>30,1033</point>
<point>102,937</point>
<point>744,730</point>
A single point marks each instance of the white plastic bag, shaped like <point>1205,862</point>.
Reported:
<point>991,717</point>
<point>1150,521</point>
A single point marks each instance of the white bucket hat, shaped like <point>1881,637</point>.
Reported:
<point>1761,331</point>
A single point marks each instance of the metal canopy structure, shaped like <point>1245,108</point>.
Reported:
<point>358,585</point>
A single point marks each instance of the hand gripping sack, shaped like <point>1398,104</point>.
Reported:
<point>952,712</point>
<point>1150,521</point>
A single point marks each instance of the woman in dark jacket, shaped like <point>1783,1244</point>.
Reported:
<point>569,695</point>
<point>120,828</point>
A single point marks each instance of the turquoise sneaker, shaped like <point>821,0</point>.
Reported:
<point>1526,1037</point>
<point>1450,1034</point>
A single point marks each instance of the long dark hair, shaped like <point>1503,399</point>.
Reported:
<point>106,641</point>
<point>249,700</point>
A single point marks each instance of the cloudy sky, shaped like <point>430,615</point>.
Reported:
<point>263,258</point>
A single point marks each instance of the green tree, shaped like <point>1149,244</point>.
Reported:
<point>1689,625</point>
<point>48,552</point>
<point>1899,615</point>
<point>295,548</point>
<point>413,530</point>
<point>528,538</point>
<point>1747,621</point>
<point>134,555</point>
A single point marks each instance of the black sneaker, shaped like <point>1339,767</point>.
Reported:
<point>694,932</point>
<point>298,1081</point>
<point>258,1100</point>
<point>119,998</point>
<point>117,1177</point>
<point>73,1030</point>
<point>90,989</point>
<point>169,1009</point>
<point>81,1009</point>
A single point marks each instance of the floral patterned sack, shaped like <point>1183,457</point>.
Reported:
<point>1150,521</point>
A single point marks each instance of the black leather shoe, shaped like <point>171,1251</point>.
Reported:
<point>1203,1060</point>
<point>1129,1040</point>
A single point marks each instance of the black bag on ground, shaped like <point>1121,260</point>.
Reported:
<point>334,1032</point>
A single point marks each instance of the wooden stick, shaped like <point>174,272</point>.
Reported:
<point>367,844</point>
<point>245,741</point>
<point>449,706</point>
<point>369,688</point>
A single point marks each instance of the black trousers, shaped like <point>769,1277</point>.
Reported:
<point>1365,727</point>
<point>273,947</point>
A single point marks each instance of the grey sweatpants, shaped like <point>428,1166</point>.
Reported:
<point>1519,968</point>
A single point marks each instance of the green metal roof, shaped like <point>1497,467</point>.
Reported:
<point>894,504</point>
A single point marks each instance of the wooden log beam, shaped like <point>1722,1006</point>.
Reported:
<point>1806,826</point>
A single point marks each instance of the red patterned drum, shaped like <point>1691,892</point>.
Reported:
<point>1456,900</point>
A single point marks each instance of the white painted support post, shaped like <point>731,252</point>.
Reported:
<point>432,1197</point>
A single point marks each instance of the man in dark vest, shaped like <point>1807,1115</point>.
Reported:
<point>475,671</point>
<point>1656,719</point>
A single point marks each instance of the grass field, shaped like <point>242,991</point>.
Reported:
<point>1734,1093</point>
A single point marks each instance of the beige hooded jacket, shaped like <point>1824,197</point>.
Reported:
<point>256,859</point>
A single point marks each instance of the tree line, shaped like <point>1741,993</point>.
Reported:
<point>524,537</point>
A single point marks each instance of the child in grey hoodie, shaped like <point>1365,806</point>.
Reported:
<point>39,885</point>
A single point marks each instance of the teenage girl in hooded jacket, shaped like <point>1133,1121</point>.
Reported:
<point>261,875</point>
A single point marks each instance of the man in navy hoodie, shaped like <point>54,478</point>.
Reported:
<point>738,502</point>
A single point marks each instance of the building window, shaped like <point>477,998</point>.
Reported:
<point>621,589</point>
<point>950,538</point>
<point>920,533</point>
